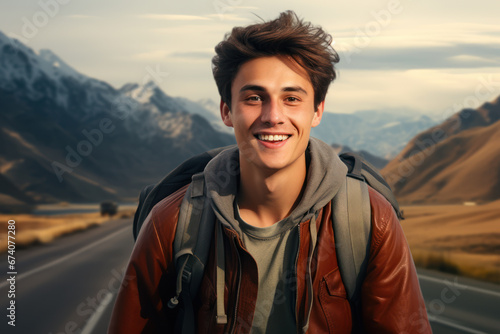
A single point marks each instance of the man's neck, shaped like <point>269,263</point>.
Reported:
<point>266,197</point>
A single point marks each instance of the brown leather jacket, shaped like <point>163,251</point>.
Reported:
<point>391,298</point>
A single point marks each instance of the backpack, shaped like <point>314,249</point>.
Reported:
<point>191,250</point>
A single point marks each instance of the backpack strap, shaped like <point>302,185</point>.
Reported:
<point>191,248</point>
<point>352,228</point>
<point>221,317</point>
<point>352,222</point>
<point>351,213</point>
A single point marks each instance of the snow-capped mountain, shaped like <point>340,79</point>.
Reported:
<point>151,94</point>
<point>44,76</point>
<point>66,136</point>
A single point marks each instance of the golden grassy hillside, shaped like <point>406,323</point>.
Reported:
<point>466,238</point>
<point>464,167</point>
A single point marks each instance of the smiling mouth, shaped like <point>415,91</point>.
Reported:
<point>272,138</point>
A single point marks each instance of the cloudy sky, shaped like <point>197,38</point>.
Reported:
<point>402,55</point>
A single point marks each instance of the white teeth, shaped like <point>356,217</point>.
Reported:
<point>273,137</point>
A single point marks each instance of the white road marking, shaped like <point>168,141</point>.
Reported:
<point>461,286</point>
<point>450,323</point>
<point>66,257</point>
<point>94,319</point>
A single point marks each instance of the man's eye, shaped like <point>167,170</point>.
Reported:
<point>254,98</point>
<point>292,99</point>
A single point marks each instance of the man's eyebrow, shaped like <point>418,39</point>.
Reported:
<point>252,87</point>
<point>262,89</point>
<point>294,89</point>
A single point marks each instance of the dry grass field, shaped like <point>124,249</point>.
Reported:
<point>463,239</point>
<point>34,229</point>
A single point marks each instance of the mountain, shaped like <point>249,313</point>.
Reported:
<point>211,106</point>
<point>66,136</point>
<point>465,119</point>
<point>382,134</point>
<point>377,162</point>
<point>207,109</point>
<point>454,162</point>
<point>150,94</point>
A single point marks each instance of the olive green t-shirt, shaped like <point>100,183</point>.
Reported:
<point>274,249</point>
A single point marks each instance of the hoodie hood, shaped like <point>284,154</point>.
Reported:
<point>325,175</point>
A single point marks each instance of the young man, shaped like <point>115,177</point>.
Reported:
<point>272,201</point>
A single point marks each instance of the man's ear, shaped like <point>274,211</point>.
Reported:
<point>225,113</point>
<point>318,114</point>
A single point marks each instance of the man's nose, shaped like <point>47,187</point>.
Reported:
<point>272,113</point>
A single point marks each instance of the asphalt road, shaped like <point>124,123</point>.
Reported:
<point>69,286</point>
<point>459,305</point>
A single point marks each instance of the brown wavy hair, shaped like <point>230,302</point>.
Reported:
<point>310,46</point>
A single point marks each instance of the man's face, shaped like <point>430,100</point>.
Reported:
<point>272,112</point>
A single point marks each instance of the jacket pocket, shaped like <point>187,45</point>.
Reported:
<point>334,303</point>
